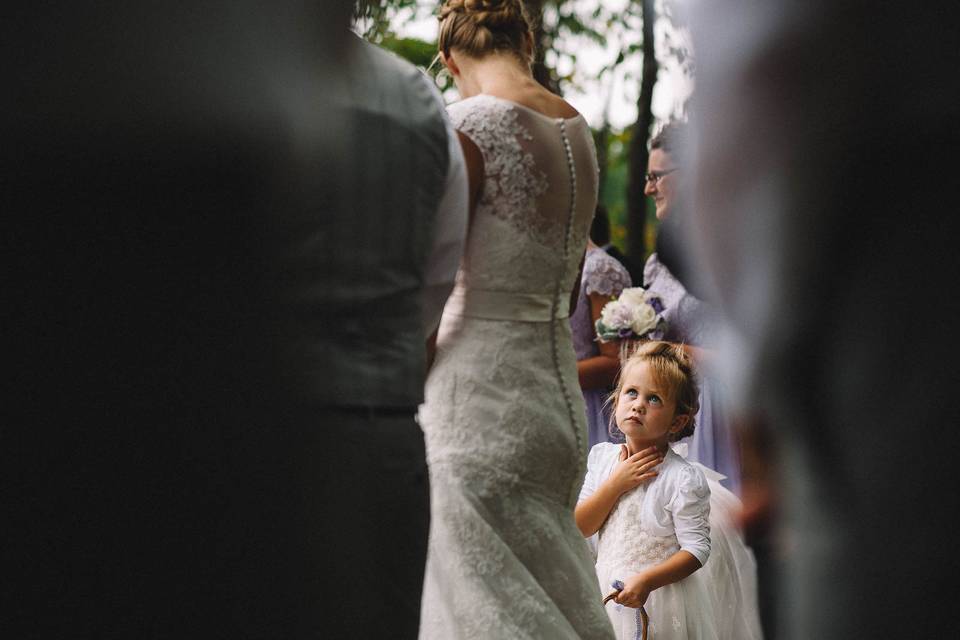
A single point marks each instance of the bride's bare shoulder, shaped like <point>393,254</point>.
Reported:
<point>560,108</point>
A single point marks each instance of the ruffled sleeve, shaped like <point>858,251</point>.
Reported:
<point>603,274</point>
<point>598,467</point>
<point>691,513</point>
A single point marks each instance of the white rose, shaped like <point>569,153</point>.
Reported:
<point>606,314</point>
<point>615,315</point>
<point>644,319</point>
<point>633,297</point>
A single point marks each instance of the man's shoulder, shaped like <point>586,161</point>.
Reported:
<point>375,59</point>
<point>378,69</point>
<point>391,88</point>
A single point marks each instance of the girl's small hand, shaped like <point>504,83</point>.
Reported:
<point>631,471</point>
<point>635,592</point>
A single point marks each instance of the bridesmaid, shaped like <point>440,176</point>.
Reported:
<point>690,320</point>
<point>597,363</point>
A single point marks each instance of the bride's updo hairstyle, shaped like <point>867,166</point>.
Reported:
<point>479,27</point>
<point>673,370</point>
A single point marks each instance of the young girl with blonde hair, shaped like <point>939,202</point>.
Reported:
<point>650,506</point>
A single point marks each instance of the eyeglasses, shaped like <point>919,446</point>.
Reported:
<point>656,176</point>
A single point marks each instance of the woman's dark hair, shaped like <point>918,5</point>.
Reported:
<point>600,227</point>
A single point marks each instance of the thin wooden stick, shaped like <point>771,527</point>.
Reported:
<point>643,613</point>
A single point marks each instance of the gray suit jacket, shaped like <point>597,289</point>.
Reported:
<point>355,270</point>
<point>169,182</point>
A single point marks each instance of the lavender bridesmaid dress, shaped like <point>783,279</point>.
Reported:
<point>605,275</point>
<point>692,321</point>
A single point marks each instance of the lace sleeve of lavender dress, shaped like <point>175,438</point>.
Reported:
<point>603,274</point>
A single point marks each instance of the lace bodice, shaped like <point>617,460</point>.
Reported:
<point>624,542</point>
<point>517,239</point>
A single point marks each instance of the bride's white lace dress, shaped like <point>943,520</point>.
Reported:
<point>503,415</point>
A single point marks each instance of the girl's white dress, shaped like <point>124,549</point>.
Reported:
<point>648,525</point>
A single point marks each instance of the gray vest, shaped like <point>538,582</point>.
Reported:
<point>355,267</point>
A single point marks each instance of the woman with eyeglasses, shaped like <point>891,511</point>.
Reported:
<point>690,319</point>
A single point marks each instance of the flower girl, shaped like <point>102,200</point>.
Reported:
<point>650,506</point>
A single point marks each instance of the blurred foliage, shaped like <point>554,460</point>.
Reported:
<point>419,52</point>
<point>373,18</point>
<point>613,194</point>
<point>376,20</point>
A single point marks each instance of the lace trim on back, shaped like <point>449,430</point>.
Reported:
<point>512,181</point>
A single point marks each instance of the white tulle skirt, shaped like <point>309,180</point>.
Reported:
<point>678,611</point>
<point>731,571</point>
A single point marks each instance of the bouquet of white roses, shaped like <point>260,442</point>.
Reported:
<point>635,314</point>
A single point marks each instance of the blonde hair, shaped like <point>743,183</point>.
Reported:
<point>479,27</point>
<point>673,370</point>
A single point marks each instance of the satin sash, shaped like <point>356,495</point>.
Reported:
<point>503,305</point>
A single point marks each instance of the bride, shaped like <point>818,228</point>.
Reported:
<point>503,416</point>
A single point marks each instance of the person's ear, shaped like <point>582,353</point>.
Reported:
<point>528,45</point>
<point>450,63</point>
<point>679,422</point>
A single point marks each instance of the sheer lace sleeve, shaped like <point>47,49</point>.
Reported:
<point>603,274</point>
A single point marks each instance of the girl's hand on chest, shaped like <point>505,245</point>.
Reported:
<point>631,471</point>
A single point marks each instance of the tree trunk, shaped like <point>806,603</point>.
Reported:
<point>601,141</point>
<point>602,138</point>
<point>637,154</point>
<point>542,42</point>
